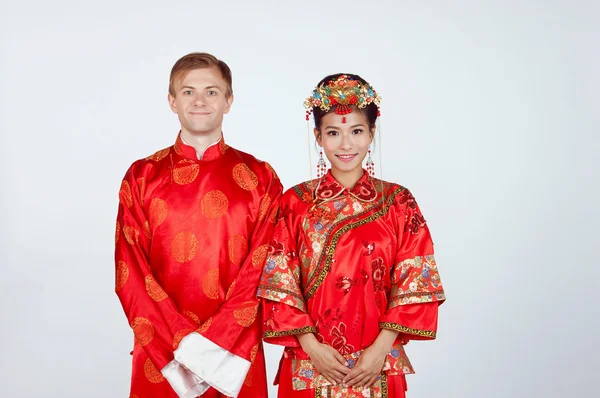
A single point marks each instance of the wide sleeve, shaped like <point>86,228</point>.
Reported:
<point>222,354</point>
<point>284,307</point>
<point>153,316</point>
<point>416,290</point>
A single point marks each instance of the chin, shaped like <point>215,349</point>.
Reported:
<point>347,168</point>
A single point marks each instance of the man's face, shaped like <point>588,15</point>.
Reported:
<point>200,101</point>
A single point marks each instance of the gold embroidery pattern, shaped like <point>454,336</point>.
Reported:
<point>142,330</point>
<point>245,177</point>
<point>184,247</point>
<point>147,231</point>
<point>179,336</point>
<point>210,284</point>
<point>260,256</point>
<point>273,333</point>
<point>117,232</point>
<point>419,297</point>
<point>238,248</point>
<point>152,374</point>
<point>204,327</point>
<point>214,204</point>
<point>122,275</point>
<point>154,289</point>
<point>263,208</point>
<point>223,146</point>
<point>185,172</point>
<point>158,212</point>
<point>125,194</point>
<point>131,234</point>
<point>248,380</point>
<point>394,326</point>
<point>159,155</point>
<point>384,385</point>
<point>336,237</point>
<point>272,170</point>
<point>273,215</point>
<point>193,317</point>
<point>141,182</point>
<point>246,314</point>
<point>271,288</point>
<point>230,290</point>
<point>416,280</point>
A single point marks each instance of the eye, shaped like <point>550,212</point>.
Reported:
<point>212,92</point>
<point>332,132</point>
<point>357,131</point>
<point>187,92</point>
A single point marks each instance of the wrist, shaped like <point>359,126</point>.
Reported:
<point>382,347</point>
<point>308,342</point>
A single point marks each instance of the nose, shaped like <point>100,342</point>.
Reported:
<point>346,142</point>
<point>199,100</point>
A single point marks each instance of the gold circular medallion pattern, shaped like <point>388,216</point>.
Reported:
<point>246,314</point>
<point>210,284</point>
<point>245,177</point>
<point>185,172</point>
<point>214,204</point>
<point>260,256</point>
<point>154,289</point>
<point>122,275</point>
<point>125,194</point>
<point>157,212</point>
<point>142,330</point>
<point>184,247</point>
<point>152,374</point>
<point>237,248</point>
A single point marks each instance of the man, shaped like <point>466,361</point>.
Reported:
<point>193,228</point>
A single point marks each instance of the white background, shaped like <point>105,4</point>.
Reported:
<point>490,116</point>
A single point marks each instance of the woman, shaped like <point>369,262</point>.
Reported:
<point>350,277</point>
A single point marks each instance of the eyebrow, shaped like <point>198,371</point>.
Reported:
<point>193,88</point>
<point>337,128</point>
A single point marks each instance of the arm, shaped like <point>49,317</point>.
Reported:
<point>416,290</point>
<point>153,316</point>
<point>232,339</point>
<point>415,294</point>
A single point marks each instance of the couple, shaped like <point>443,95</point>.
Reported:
<point>211,257</point>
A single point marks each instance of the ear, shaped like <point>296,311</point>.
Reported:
<point>372,133</point>
<point>318,136</point>
<point>172,104</point>
<point>228,106</point>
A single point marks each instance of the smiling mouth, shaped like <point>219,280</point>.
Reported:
<point>346,158</point>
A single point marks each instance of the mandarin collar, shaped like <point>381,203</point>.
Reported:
<point>212,152</point>
<point>329,188</point>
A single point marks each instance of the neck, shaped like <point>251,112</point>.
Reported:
<point>348,179</point>
<point>200,141</point>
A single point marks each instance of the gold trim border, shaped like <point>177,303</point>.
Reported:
<point>273,333</point>
<point>394,326</point>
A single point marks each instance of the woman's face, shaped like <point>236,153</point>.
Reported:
<point>345,144</point>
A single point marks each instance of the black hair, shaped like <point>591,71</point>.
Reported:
<point>370,110</point>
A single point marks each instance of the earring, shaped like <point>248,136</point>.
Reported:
<point>321,166</point>
<point>370,165</point>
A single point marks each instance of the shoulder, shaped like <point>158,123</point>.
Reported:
<point>391,190</point>
<point>151,162</point>
<point>244,162</point>
<point>300,193</point>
